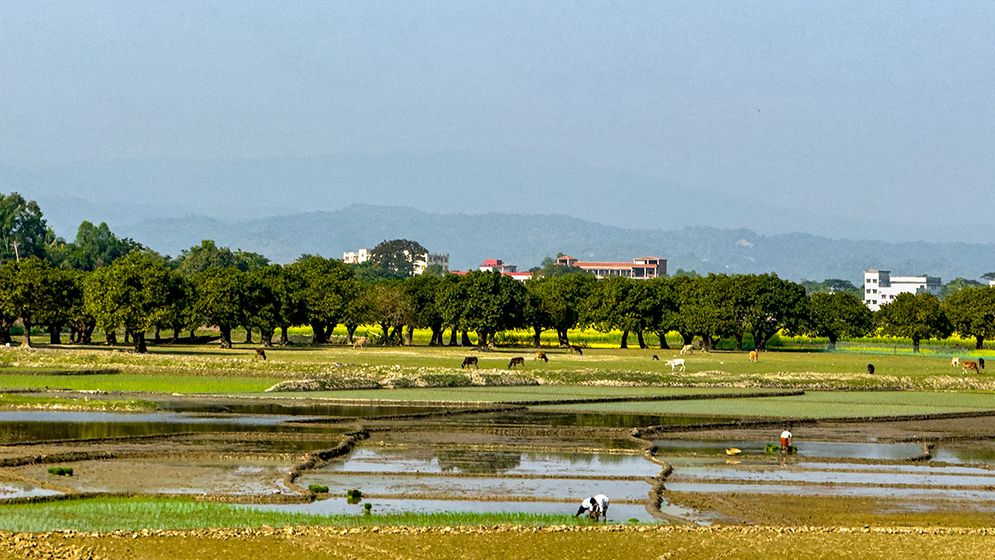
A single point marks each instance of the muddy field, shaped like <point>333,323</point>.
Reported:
<point>676,490</point>
<point>552,543</point>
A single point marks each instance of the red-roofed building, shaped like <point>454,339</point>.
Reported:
<point>642,268</point>
<point>497,265</point>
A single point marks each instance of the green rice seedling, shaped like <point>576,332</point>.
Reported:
<point>318,488</point>
<point>60,471</point>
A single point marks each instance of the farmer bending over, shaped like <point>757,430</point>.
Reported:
<point>595,507</point>
<point>786,440</point>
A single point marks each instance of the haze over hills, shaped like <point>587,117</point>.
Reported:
<point>525,239</point>
<point>443,182</point>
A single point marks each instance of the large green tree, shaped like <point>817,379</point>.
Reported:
<point>972,313</point>
<point>838,315</point>
<point>492,302</point>
<point>326,287</point>
<point>556,302</point>
<point>36,294</point>
<point>423,291</point>
<point>914,316</point>
<point>765,304</point>
<point>221,299</point>
<point>135,292</point>
<point>96,246</point>
<point>618,303</point>
<point>23,231</point>
<point>208,255</point>
<point>396,258</point>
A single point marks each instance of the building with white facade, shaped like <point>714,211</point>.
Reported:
<point>421,263</point>
<point>356,257</point>
<point>880,287</point>
<point>428,259</point>
<point>642,268</point>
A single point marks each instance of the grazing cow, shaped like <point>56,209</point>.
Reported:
<point>260,354</point>
<point>870,369</point>
<point>675,363</point>
<point>576,350</point>
<point>359,341</point>
<point>955,362</point>
<point>687,349</point>
<point>656,358</point>
<point>516,361</point>
<point>469,361</point>
<point>981,363</point>
<point>754,356</point>
<point>968,365</point>
<point>541,356</point>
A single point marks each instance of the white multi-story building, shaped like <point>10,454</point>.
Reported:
<point>356,257</point>
<point>428,259</point>
<point>880,287</point>
<point>421,263</point>
<point>642,268</point>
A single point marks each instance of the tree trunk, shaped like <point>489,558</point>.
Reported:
<point>5,332</point>
<point>979,342</point>
<point>73,335</point>
<point>225,336</point>
<point>266,336</point>
<point>127,336</point>
<point>176,335</point>
<point>157,336</point>
<point>663,341</point>
<point>640,339</point>
<point>26,341</point>
<point>139,339</point>
<point>248,335</point>
<point>915,345</point>
<point>55,334</point>
<point>396,335</point>
<point>193,336</point>
<point>318,333</point>
<point>409,335</point>
<point>465,339</point>
<point>563,338</point>
<point>739,342</point>
<point>86,337</point>
<point>436,336</point>
<point>687,338</point>
<point>536,336</point>
<point>111,337</point>
<point>832,343</point>
<point>707,344</point>
<point>284,336</point>
<point>453,337</point>
<point>385,328</point>
<point>625,340</point>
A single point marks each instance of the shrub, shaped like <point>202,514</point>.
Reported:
<point>60,471</point>
<point>318,488</point>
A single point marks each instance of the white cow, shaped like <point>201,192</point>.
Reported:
<point>687,349</point>
<point>675,363</point>
<point>955,361</point>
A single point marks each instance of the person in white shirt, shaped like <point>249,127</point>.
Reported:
<point>786,439</point>
<point>596,507</point>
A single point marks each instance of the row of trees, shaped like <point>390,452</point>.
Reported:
<point>143,293</point>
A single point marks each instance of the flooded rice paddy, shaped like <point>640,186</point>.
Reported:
<point>513,461</point>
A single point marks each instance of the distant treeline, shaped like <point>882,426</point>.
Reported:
<point>102,282</point>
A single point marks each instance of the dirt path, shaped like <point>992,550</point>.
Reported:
<point>552,543</point>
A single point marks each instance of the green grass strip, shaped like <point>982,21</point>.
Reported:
<point>112,514</point>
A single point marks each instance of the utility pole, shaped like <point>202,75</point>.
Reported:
<point>17,255</point>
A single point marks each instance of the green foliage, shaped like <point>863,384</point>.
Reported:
<point>915,316</point>
<point>135,292</point>
<point>208,255</point>
<point>396,258</point>
<point>326,287</point>
<point>831,286</point>
<point>972,313</point>
<point>317,488</point>
<point>222,299</point>
<point>838,315</point>
<point>95,247</point>
<point>956,285</point>
<point>60,471</point>
<point>22,226</point>
<point>489,302</point>
<point>38,294</point>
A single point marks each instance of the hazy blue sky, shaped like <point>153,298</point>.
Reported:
<point>869,107</point>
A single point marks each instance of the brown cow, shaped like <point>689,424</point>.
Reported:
<point>656,358</point>
<point>260,354</point>
<point>754,356</point>
<point>968,365</point>
<point>541,356</point>
<point>576,350</point>
<point>469,361</point>
<point>359,342</point>
<point>516,361</point>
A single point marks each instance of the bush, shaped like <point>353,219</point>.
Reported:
<point>60,471</point>
<point>318,488</point>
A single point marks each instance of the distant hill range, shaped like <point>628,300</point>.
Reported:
<point>525,240</point>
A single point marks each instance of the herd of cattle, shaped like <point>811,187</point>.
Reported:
<point>679,364</point>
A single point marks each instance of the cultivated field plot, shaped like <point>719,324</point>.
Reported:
<point>813,404</point>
